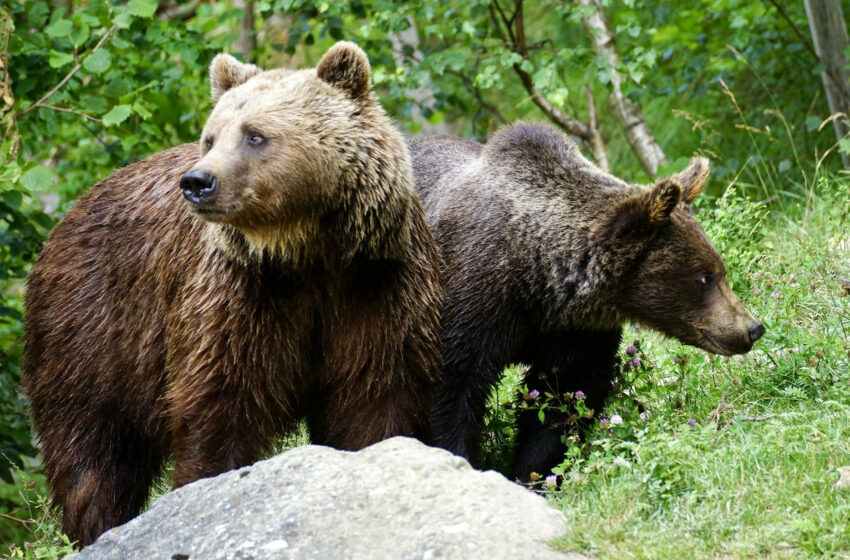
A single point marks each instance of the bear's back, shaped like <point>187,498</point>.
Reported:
<point>437,163</point>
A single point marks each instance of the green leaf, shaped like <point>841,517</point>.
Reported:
<point>37,14</point>
<point>118,86</point>
<point>42,219</point>
<point>37,178</point>
<point>117,115</point>
<point>129,141</point>
<point>142,8</point>
<point>12,198</point>
<point>812,123</point>
<point>123,20</point>
<point>59,28</point>
<point>95,105</point>
<point>98,62</point>
<point>59,59</point>
<point>98,9</point>
<point>91,21</point>
<point>79,35</point>
<point>142,111</point>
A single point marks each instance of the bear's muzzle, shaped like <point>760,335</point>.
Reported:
<point>198,185</point>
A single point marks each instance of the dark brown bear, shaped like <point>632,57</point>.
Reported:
<point>545,258</point>
<point>207,298</point>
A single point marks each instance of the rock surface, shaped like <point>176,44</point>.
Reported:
<point>397,499</point>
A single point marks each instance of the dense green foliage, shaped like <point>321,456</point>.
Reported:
<point>91,85</point>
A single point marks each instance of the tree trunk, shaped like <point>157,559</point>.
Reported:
<point>826,23</point>
<point>247,41</point>
<point>629,115</point>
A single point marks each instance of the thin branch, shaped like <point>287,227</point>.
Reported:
<point>794,28</point>
<point>520,28</point>
<point>507,22</point>
<point>495,19</point>
<point>49,94</point>
<point>476,92</point>
<point>72,111</point>
<point>591,107</point>
<point>25,522</point>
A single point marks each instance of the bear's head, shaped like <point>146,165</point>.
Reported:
<point>676,281</point>
<point>298,163</point>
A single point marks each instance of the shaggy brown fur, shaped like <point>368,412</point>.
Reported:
<point>306,286</point>
<point>545,258</point>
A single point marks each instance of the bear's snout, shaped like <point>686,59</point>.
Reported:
<point>756,331</point>
<point>198,185</point>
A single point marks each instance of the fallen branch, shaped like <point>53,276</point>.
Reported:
<point>758,418</point>
<point>721,406</point>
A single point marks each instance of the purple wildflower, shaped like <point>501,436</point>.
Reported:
<point>774,294</point>
<point>616,419</point>
<point>579,394</point>
<point>692,422</point>
<point>534,393</point>
<point>631,350</point>
<point>635,363</point>
<point>551,481</point>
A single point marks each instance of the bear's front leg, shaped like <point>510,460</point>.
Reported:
<point>217,430</point>
<point>222,418</point>
<point>561,362</point>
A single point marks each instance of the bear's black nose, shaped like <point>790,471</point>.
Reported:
<point>756,330</point>
<point>198,185</point>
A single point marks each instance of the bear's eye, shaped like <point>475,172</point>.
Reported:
<point>208,142</point>
<point>255,138</point>
<point>706,279</point>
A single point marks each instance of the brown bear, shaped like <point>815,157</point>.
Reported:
<point>545,257</point>
<point>211,296</point>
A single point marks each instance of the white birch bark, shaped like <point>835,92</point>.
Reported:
<point>628,113</point>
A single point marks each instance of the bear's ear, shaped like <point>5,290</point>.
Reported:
<point>693,179</point>
<point>346,66</point>
<point>226,72</point>
<point>640,214</point>
<point>661,200</point>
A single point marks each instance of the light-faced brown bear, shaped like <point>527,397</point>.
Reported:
<point>545,257</point>
<point>211,296</point>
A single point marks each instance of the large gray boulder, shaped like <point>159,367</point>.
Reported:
<point>397,499</point>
